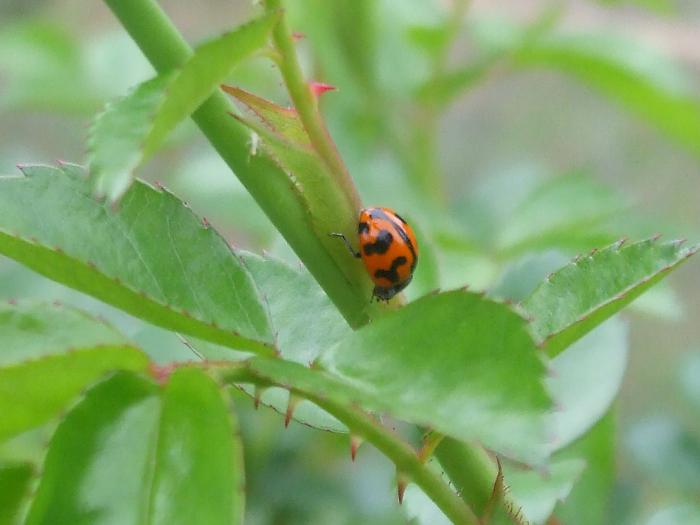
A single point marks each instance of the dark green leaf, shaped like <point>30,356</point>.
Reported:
<point>100,457</point>
<point>128,454</point>
<point>48,354</point>
<point>152,258</point>
<point>14,488</point>
<point>580,296</point>
<point>130,131</point>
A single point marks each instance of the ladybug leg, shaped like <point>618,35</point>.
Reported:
<point>347,243</point>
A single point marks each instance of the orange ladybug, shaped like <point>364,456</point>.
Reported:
<point>388,248</point>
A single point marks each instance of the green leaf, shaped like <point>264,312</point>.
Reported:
<point>580,296</point>
<point>571,211</point>
<point>627,72</point>
<point>131,453</point>
<point>198,474</point>
<point>583,389</point>
<point>42,69</point>
<point>685,514</point>
<point>14,488</point>
<point>152,258</point>
<point>283,139</point>
<point>456,362</point>
<point>130,131</point>
<point>99,458</point>
<point>667,452</point>
<point>537,493</point>
<point>587,504</point>
<point>305,323</point>
<point>612,66</point>
<point>48,354</point>
<point>304,320</point>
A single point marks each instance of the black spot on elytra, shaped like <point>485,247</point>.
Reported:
<point>401,232</point>
<point>381,245</point>
<point>363,227</point>
<point>385,293</point>
<point>391,273</point>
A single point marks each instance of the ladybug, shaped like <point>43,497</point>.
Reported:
<point>388,248</point>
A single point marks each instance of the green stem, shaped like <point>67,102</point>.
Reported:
<point>165,48</point>
<point>471,470</point>
<point>361,424</point>
<point>306,104</point>
<point>404,457</point>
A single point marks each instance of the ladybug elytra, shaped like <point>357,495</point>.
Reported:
<point>388,249</point>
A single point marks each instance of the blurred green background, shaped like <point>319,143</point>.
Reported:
<point>514,135</point>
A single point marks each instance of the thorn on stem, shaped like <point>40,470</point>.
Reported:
<point>355,442</point>
<point>291,406</point>
<point>319,88</point>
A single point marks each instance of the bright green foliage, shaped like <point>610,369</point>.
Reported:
<point>130,130</point>
<point>152,257</point>
<point>14,488</point>
<point>198,475</point>
<point>48,354</point>
<point>580,296</point>
<point>130,452</point>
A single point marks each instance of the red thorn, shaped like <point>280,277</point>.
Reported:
<point>298,35</point>
<point>319,88</point>
<point>12,301</point>
<point>656,237</point>
<point>161,373</point>
<point>205,221</point>
<point>355,442</point>
<point>158,184</point>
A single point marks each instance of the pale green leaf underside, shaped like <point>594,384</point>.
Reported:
<point>580,296</point>
<point>129,131</point>
<point>153,258</point>
<point>131,453</point>
<point>537,493</point>
<point>48,355</point>
<point>455,362</point>
<point>305,323</point>
<point>458,362</point>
